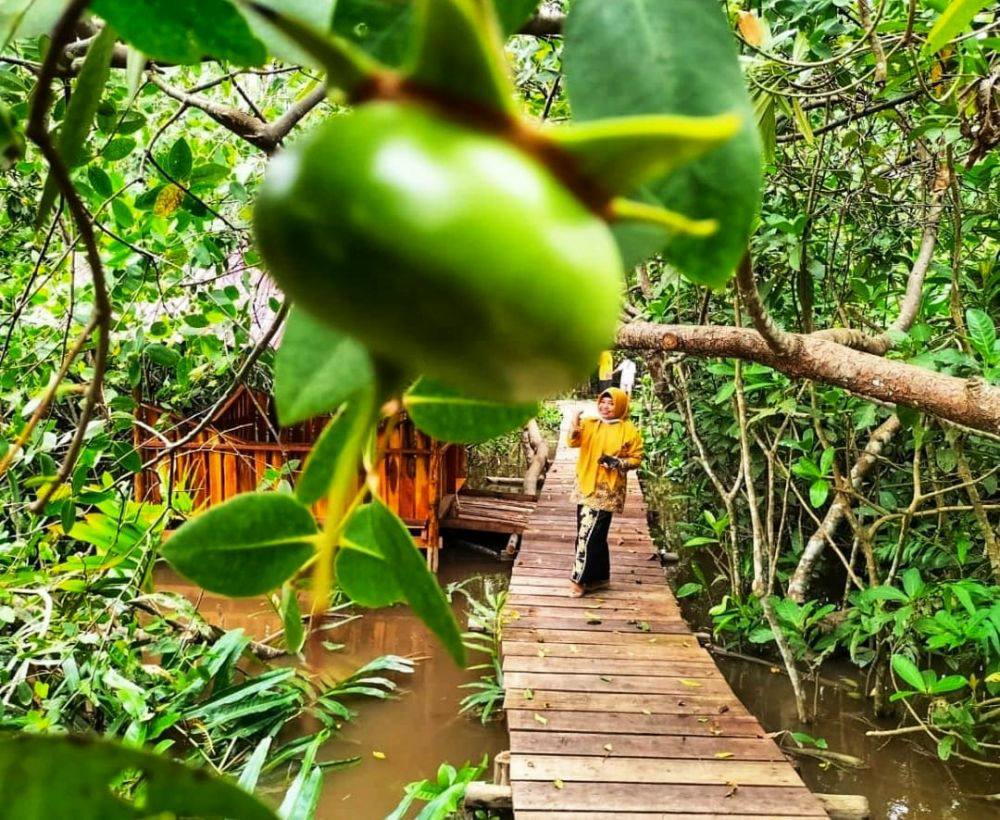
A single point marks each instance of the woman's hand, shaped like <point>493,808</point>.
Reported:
<point>611,463</point>
<point>575,421</point>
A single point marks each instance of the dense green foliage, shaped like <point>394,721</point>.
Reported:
<point>133,156</point>
<point>868,160</point>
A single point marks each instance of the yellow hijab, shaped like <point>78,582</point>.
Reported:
<point>605,437</point>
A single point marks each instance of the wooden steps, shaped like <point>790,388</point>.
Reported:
<point>613,708</point>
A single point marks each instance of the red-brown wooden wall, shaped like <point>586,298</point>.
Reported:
<point>232,454</point>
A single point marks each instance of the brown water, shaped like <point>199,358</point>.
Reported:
<point>902,778</point>
<point>421,729</point>
<point>415,732</point>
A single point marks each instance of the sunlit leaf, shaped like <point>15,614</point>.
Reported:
<point>955,19</point>
<point>80,112</point>
<point>448,415</point>
<point>650,57</point>
<point>316,369</point>
<point>246,546</point>
<point>379,531</point>
<point>908,671</point>
<point>185,31</point>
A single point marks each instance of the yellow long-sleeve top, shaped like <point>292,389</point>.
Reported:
<point>597,486</point>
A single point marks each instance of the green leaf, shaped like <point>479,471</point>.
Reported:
<point>316,369</point>
<point>347,67</point>
<point>184,31</point>
<point>322,460</point>
<point>291,619</point>
<point>908,671</point>
<point>448,415</point>
<point>135,65</point>
<point>246,546</point>
<point>618,154</point>
<point>383,533</point>
<point>302,796</point>
<point>179,160</point>
<point>366,579</point>
<point>650,57</point>
<point>163,355</point>
<point>949,683</point>
<point>67,515</point>
<point>21,19</point>
<point>818,492</point>
<point>80,112</point>
<point>913,584</point>
<point>885,593</point>
<point>982,333</point>
<point>119,149</point>
<point>953,21</point>
<point>826,460</point>
<point>945,746</point>
<point>690,588</point>
<point>460,53</point>
<point>908,416</point>
<point>251,771</point>
<point>382,28</point>
<point>280,45</point>
<point>88,772</point>
<point>99,181</point>
<point>122,213</point>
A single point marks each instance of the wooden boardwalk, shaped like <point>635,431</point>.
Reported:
<point>613,708</point>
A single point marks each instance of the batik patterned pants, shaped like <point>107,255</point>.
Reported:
<point>592,563</point>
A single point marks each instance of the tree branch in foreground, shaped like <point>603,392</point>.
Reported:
<point>967,402</point>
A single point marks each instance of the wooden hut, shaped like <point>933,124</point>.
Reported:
<point>242,448</point>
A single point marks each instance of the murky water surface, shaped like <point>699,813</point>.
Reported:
<point>901,778</point>
<point>417,731</point>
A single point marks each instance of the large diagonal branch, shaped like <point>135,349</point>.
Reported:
<point>966,402</point>
<point>263,135</point>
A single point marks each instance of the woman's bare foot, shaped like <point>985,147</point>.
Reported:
<point>576,590</point>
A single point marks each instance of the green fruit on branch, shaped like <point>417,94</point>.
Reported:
<point>443,248</point>
<point>449,235</point>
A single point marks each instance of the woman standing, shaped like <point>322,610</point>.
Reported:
<point>610,445</point>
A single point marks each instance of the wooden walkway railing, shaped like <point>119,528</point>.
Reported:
<point>613,707</point>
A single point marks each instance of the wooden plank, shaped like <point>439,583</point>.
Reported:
<point>660,667</point>
<point>707,705</point>
<point>606,744</point>
<point>610,682</point>
<point>659,652</point>
<point>718,726</point>
<point>590,769</point>
<point>603,624</point>
<point>536,605</point>
<point>519,632</point>
<point>757,801</point>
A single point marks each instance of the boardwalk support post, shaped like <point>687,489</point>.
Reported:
<point>480,795</point>
<point>845,806</point>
